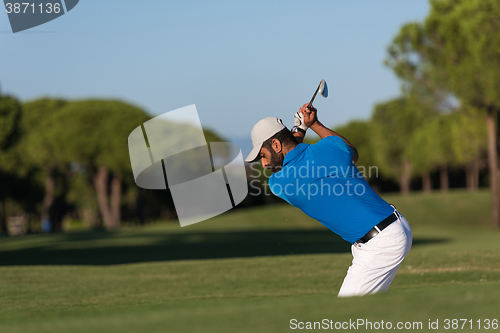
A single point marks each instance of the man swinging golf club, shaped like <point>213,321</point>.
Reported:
<point>322,180</point>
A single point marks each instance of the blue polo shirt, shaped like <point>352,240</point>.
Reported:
<point>324,183</point>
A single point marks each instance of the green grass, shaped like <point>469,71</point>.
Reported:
<point>249,270</point>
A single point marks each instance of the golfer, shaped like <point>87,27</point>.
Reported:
<point>322,180</point>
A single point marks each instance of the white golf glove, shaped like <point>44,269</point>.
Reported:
<point>299,121</point>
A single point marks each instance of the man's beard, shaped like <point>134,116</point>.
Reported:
<point>276,162</point>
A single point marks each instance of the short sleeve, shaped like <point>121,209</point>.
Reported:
<point>334,144</point>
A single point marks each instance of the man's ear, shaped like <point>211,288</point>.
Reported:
<point>277,147</point>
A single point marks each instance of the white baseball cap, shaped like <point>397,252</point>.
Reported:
<point>262,131</point>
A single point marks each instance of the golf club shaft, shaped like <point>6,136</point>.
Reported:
<point>314,96</point>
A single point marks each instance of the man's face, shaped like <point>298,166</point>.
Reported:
<point>271,160</point>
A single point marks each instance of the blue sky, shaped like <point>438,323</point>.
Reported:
<point>238,61</point>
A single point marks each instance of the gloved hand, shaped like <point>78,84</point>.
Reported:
<point>299,121</point>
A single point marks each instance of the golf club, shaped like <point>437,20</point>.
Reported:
<point>322,89</point>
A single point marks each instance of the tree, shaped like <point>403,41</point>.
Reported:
<point>94,133</point>
<point>394,123</point>
<point>468,139</point>
<point>10,113</point>
<point>39,121</point>
<point>429,149</point>
<point>456,50</point>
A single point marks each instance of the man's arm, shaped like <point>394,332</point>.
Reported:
<point>299,136</point>
<point>311,120</point>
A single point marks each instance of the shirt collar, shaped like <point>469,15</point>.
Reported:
<point>294,153</point>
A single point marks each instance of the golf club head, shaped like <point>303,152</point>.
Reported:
<point>323,88</point>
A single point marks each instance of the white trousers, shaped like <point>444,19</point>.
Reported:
<point>375,262</point>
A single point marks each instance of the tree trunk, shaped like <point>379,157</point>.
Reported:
<point>3,218</point>
<point>116,192</point>
<point>56,215</point>
<point>426,182</point>
<point>89,217</point>
<point>405,177</point>
<point>443,178</point>
<point>475,174</point>
<point>140,208</point>
<point>468,177</point>
<point>472,175</point>
<point>493,166</point>
<point>48,199</point>
<point>101,187</point>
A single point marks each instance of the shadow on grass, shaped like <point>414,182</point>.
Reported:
<point>102,248</point>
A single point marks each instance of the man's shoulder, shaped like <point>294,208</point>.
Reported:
<point>332,143</point>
